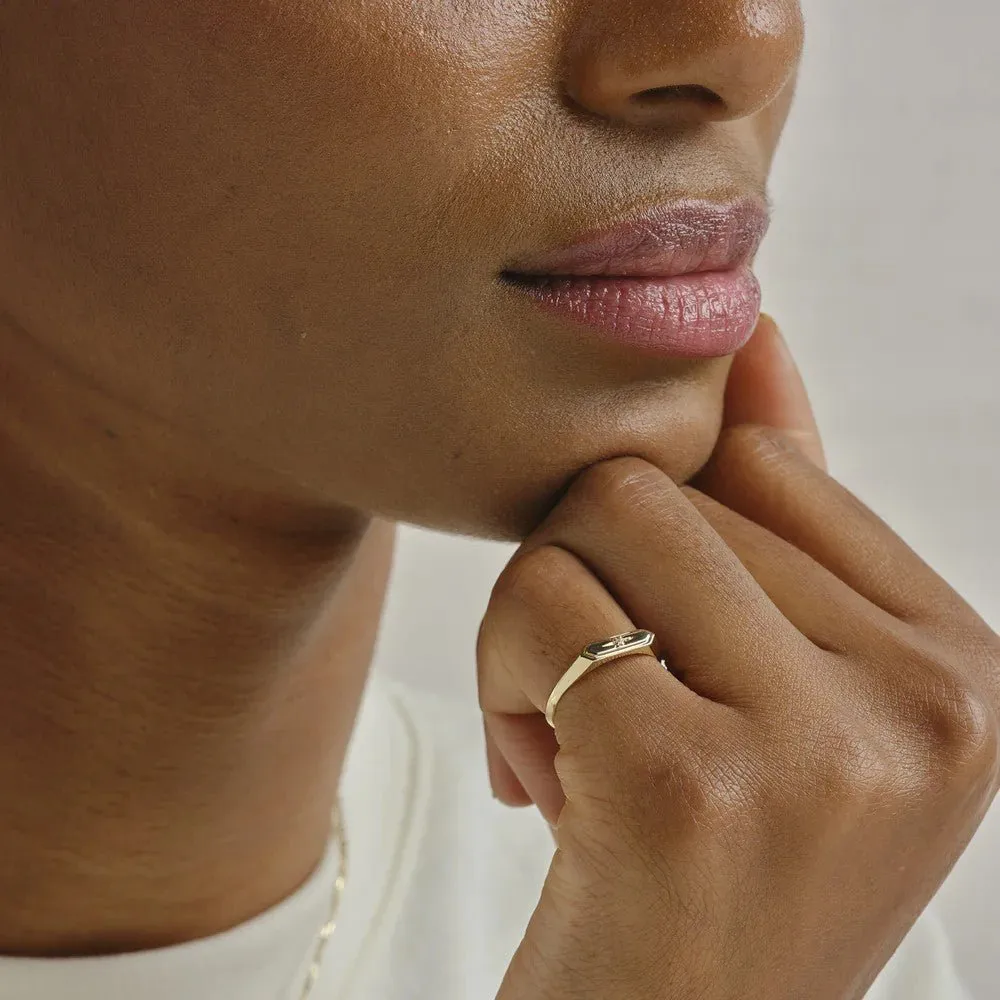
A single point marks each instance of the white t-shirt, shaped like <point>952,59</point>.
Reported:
<point>441,882</point>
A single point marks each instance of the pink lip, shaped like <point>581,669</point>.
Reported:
<point>676,280</point>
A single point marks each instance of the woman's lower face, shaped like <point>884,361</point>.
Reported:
<point>288,228</point>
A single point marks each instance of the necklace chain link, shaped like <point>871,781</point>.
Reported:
<point>326,931</point>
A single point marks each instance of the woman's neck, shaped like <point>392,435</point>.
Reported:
<point>182,652</point>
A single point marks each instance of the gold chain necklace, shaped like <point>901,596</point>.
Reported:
<point>326,931</point>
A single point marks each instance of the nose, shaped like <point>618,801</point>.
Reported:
<point>676,62</point>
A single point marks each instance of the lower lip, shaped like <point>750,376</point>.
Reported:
<point>700,315</point>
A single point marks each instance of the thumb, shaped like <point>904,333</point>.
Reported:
<point>766,388</point>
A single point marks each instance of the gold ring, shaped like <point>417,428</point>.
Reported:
<point>593,656</point>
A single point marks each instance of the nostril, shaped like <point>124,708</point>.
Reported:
<point>686,94</point>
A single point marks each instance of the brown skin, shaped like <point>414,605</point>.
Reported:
<point>768,819</point>
<point>182,664</point>
<point>279,226</point>
<point>249,254</point>
<point>249,316</point>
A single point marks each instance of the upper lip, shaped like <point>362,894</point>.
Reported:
<point>663,242</point>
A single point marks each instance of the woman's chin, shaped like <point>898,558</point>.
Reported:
<point>507,502</point>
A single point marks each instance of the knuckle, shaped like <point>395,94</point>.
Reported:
<point>754,443</point>
<point>647,784</point>
<point>534,590</point>
<point>958,722</point>
<point>720,793</point>
<point>693,793</point>
<point>940,717</point>
<point>620,482</point>
<point>940,736</point>
<point>536,577</point>
<point>852,768</point>
<point>983,654</point>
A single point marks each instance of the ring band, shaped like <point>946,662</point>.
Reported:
<point>593,656</point>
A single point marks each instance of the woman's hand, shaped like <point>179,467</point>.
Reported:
<point>769,819</point>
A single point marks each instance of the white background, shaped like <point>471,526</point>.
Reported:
<point>882,267</point>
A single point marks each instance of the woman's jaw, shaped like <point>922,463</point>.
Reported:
<point>306,242</point>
